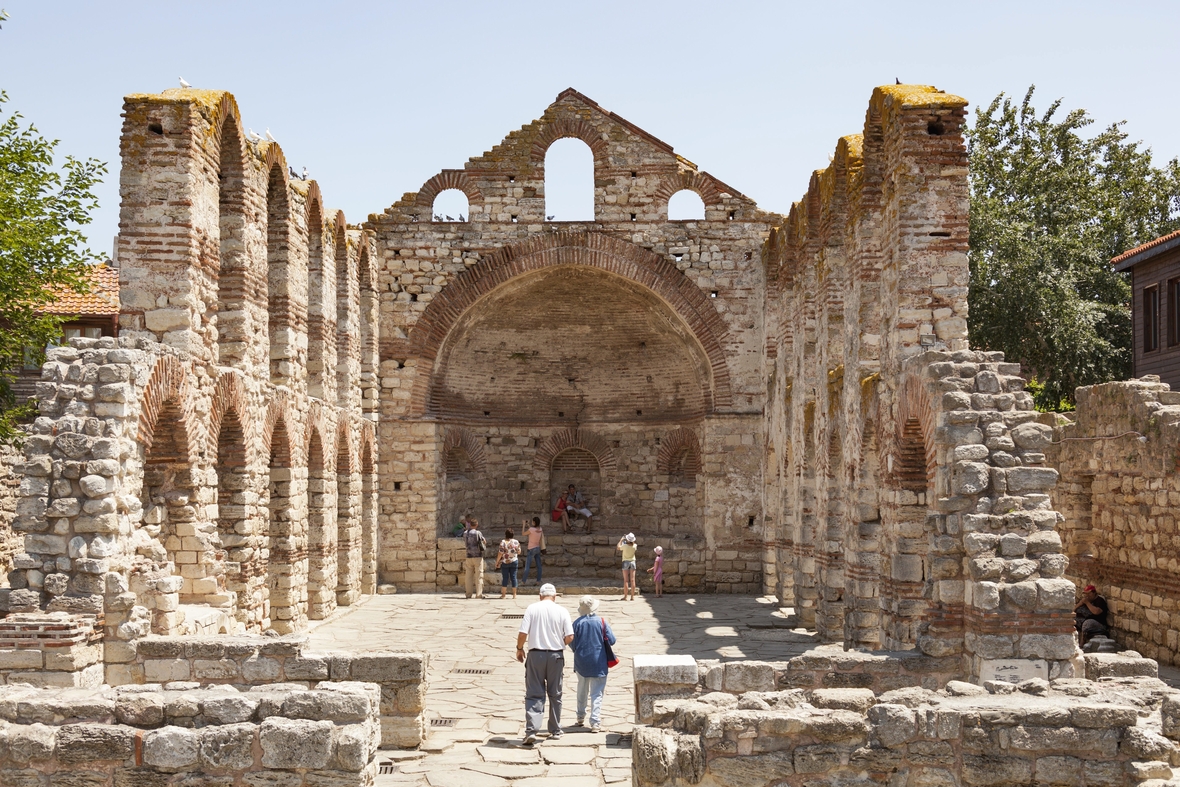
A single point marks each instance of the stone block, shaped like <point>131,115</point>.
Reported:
<point>164,670</point>
<point>384,667</point>
<point>24,658</point>
<point>87,743</point>
<point>743,676</point>
<point>1116,665</point>
<point>171,749</point>
<point>665,669</point>
<point>402,732</point>
<point>226,747</point>
<point>295,743</point>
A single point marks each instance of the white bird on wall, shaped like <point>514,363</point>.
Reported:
<point>270,136</point>
<point>253,135</point>
<point>305,175</point>
<point>184,84</point>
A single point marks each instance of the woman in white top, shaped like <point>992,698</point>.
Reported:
<point>628,547</point>
<point>507,559</point>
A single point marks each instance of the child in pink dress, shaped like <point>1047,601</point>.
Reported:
<point>657,571</point>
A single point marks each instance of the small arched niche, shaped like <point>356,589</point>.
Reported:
<point>686,205</point>
<point>579,467</point>
<point>569,181</point>
<point>451,205</point>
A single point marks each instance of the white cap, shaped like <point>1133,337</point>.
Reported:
<point>547,590</point>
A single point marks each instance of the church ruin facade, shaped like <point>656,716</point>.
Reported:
<point>298,409</point>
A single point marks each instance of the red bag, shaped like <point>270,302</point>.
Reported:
<point>611,659</point>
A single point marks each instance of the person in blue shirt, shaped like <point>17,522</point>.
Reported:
<point>590,661</point>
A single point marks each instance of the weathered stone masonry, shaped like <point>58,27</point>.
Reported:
<point>905,479</point>
<point>211,469</point>
<point>621,354</point>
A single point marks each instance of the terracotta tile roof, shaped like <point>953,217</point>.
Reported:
<point>1170,240</point>
<point>101,300</point>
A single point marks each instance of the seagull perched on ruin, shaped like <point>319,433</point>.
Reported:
<point>253,136</point>
<point>184,84</point>
<point>270,136</point>
<point>291,170</point>
<point>305,175</point>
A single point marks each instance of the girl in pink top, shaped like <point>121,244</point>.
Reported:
<point>657,571</point>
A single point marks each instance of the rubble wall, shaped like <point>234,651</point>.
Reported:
<point>1119,459</point>
<point>906,486</point>
<point>145,735</point>
<point>1074,731</point>
<point>10,481</point>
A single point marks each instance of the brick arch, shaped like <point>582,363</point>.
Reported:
<point>366,263</point>
<point>276,411</point>
<point>314,205</point>
<point>574,248</point>
<point>675,443</point>
<point>567,128</point>
<point>699,182</point>
<point>574,438</point>
<point>367,452</point>
<point>228,395</point>
<point>447,179</point>
<point>462,437</point>
<point>344,448</point>
<point>318,424</point>
<point>273,156</point>
<point>916,461</point>
<point>168,383</point>
<point>227,112</point>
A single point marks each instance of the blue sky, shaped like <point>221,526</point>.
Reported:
<point>376,97</point>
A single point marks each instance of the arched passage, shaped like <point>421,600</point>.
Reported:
<point>321,530</point>
<point>232,291</point>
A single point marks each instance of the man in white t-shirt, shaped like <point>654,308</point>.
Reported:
<point>547,628</point>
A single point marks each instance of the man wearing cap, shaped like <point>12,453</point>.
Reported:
<point>547,629</point>
<point>1090,615</point>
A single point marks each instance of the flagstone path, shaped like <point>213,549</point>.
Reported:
<point>483,712</point>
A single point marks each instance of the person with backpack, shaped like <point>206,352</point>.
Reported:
<point>475,543</point>
<point>592,634</point>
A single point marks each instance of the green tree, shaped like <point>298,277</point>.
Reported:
<point>1050,207</point>
<point>42,250</point>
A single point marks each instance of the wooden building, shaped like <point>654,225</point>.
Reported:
<point>1155,306</point>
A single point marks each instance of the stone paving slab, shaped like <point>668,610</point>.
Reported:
<point>485,747</point>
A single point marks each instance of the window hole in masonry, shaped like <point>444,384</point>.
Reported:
<point>397,486</point>
<point>713,294</point>
<point>487,440</point>
<point>522,486</point>
<point>413,296</point>
<point>156,128</point>
<point>639,412</point>
<point>560,414</point>
<point>732,215</point>
<point>643,345</point>
<point>678,256</point>
<point>634,217</point>
<point>749,255</point>
<point>935,128</point>
<point>514,221</point>
<point>750,522</point>
<point>634,175</point>
<point>940,234</point>
<point>511,178</point>
<point>487,413</point>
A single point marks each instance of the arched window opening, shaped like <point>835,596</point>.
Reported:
<point>348,526</point>
<point>579,467</point>
<point>569,181</point>
<point>315,302</point>
<point>458,466</point>
<point>346,328</point>
<point>232,510</point>
<point>686,205</point>
<point>278,274</point>
<point>367,319</point>
<point>284,605</point>
<point>910,465</point>
<point>683,467</point>
<point>168,511</point>
<point>232,328</point>
<point>451,205</point>
<point>369,531</point>
<point>321,538</point>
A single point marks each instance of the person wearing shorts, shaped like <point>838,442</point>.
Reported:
<point>628,549</point>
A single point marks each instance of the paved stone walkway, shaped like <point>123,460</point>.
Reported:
<point>482,744</point>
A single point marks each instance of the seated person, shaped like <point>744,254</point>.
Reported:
<point>1090,615</point>
<point>575,502</point>
<point>560,513</point>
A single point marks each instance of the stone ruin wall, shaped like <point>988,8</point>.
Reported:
<point>1119,459</point>
<point>213,468</point>
<point>663,437</point>
<point>10,481</point>
<point>907,492</point>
